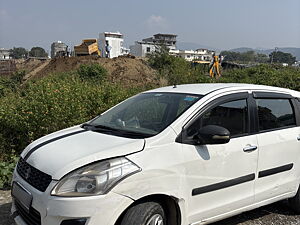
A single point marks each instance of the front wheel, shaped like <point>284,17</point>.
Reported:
<point>147,213</point>
<point>295,202</point>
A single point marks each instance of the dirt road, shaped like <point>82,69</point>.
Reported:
<point>275,214</point>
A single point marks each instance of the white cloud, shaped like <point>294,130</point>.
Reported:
<point>157,22</point>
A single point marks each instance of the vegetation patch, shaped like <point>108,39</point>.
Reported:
<point>47,104</point>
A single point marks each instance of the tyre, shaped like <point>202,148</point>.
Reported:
<point>295,202</point>
<point>147,213</point>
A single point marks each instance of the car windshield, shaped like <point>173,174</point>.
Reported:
<point>143,115</point>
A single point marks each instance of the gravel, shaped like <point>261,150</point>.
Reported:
<point>275,214</point>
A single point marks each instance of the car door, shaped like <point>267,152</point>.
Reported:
<point>279,145</point>
<point>220,178</point>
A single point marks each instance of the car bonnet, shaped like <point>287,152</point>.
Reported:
<point>64,151</point>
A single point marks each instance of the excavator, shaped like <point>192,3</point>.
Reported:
<point>214,68</point>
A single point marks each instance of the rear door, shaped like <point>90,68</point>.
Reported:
<point>279,145</point>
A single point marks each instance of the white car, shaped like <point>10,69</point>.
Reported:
<point>182,155</point>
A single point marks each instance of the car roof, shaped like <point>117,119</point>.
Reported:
<point>205,88</point>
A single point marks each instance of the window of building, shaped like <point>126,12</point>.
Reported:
<point>231,115</point>
<point>148,49</point>
<point>275,113</point>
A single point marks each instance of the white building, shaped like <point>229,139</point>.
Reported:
<point>152,44</point>
<point>111,44</point>
<point>193,55</point>
<point>4,54</point>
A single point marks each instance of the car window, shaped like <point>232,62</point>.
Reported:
<point>275,113</point>
<point>232,115</point>
<point>147,113</point>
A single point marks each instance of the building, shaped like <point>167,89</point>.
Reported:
<point>58,49</point>
<point>152,44</point>
<point>203,55</point>
<point>111,44</point>
<point>4,54</point>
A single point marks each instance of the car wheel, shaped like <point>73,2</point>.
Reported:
<point>147,213</point>
<point>295,202</point>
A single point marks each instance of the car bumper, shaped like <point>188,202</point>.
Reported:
<point>52,210</point>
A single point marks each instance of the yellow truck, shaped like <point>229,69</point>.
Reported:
<point>87,47</point>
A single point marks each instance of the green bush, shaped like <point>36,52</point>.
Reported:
<point>279,76</point>
<point>6,170</point>
<point>62,100</point>
<point>177,70</point>
<point>92,71</point>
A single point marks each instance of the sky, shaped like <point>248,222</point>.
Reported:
<point>221,24</point>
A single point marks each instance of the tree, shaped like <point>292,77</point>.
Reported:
<point>282,57</point>
<point>38,52</point>
<point>244,57</point>
<point>18,53</point>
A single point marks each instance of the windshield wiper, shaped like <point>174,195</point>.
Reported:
<point>114,131</point>
<point>97,127</point>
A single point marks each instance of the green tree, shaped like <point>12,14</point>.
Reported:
<point>37,52</point>
<point>18,53</point>
<point>282,57</point>
<point>245,57</point>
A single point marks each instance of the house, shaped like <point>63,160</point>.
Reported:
<point>202,55</point>
<point>111,44</point>
<point>152,44</point>
<point>4,54</point>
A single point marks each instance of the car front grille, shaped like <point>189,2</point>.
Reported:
<point>33,176</point>
<point>32,217</point>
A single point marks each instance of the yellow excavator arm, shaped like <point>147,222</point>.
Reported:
<point>214,69</point>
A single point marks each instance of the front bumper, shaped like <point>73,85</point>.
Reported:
<point>102,209</point>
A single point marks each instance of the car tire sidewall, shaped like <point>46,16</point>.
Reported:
<point>140,214</point>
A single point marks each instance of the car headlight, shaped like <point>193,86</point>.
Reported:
<point>95,179</point>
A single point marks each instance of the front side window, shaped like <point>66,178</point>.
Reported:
<point>275,113</point>
<point>231,115</point>
<point>145,114</point>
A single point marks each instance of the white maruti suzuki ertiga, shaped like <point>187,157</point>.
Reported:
<point>181,155</point>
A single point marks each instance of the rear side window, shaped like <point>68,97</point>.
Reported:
<point>275,114</point>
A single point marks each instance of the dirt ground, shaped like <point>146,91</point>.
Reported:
<point>275,214</point>
<point>126,70</point>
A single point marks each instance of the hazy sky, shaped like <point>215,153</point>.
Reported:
<point>222,24</point>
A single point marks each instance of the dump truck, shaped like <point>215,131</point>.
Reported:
<point>87,47</point>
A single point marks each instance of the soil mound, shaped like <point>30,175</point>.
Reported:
<point>128,71</point>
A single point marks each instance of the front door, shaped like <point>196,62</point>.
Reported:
<point>220,178</point>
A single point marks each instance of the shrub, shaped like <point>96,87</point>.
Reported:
<point>92,71</point>
<point>6,170</point>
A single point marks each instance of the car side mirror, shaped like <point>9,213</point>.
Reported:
<point>212,134</point>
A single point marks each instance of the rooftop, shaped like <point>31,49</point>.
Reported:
<point>203,89</point>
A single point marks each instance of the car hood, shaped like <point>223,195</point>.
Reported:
<point>61,152</point>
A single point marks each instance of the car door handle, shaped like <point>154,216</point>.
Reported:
<point>250,148</point>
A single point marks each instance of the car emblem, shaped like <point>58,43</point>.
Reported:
<point>27,173</point>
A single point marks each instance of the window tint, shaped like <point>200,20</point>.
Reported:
<point>231,115</point>
<point>275,113</point>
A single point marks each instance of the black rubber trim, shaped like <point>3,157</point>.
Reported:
<point>222,185</point>
<point>275,170</point>
<point>50,141</point>
<point>259,94</point>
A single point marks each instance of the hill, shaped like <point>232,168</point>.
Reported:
<point>128,71</point>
